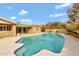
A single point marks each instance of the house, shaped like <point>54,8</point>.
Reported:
<point>10,28</point>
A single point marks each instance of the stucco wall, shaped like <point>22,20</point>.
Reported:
<point>13,30</point>
<point>51,30</point>
<point>34,29</point>
<point>29,31</point>
<point>56,30</point>
<point>6,34</point>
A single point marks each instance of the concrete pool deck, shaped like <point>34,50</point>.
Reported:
<point>8,46</point>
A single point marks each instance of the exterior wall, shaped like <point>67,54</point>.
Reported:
<point>13,30</point>
<point>61,31</point>
<point>8,33</point>
<point>34,29</point>
<point>39,29</point>
<point>29,30</point>
<point>5,34</point>
<point>51,30</point>
<point>56,30</point>
<point>47,30</point>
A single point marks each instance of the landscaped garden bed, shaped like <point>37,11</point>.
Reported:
<point>73,33</point>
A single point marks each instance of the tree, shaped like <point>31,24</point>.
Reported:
<point>55,25</point>
<point>73,13</point>
<point>76,6</point>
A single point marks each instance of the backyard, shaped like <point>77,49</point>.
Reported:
<point>29,35</point>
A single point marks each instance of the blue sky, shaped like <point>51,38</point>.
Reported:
<point>35,13</point>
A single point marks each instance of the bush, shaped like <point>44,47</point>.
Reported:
<point>73,33</point>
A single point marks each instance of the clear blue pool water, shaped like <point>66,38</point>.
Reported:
<point>34,44</point>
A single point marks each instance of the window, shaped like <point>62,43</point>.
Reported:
<point>5,28</point>
<point>8,28</point>
<point>0,28</point>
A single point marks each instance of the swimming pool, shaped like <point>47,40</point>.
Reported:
<point>34,44</point>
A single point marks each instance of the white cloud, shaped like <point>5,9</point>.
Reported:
<point>60,14</point>
<point>57,15</point>
<point>51,15</point>
<point>62,5</point>
<point>13,17</point>
<point>23,12</point>
<point>27,21</point>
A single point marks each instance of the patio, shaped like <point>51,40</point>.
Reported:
<point>8,46</point>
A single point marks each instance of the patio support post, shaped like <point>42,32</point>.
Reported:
<point>14,30</point>
<point>22,30</point>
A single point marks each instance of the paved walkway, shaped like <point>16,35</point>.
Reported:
<point>8,46</point>
<point>71,47</point>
